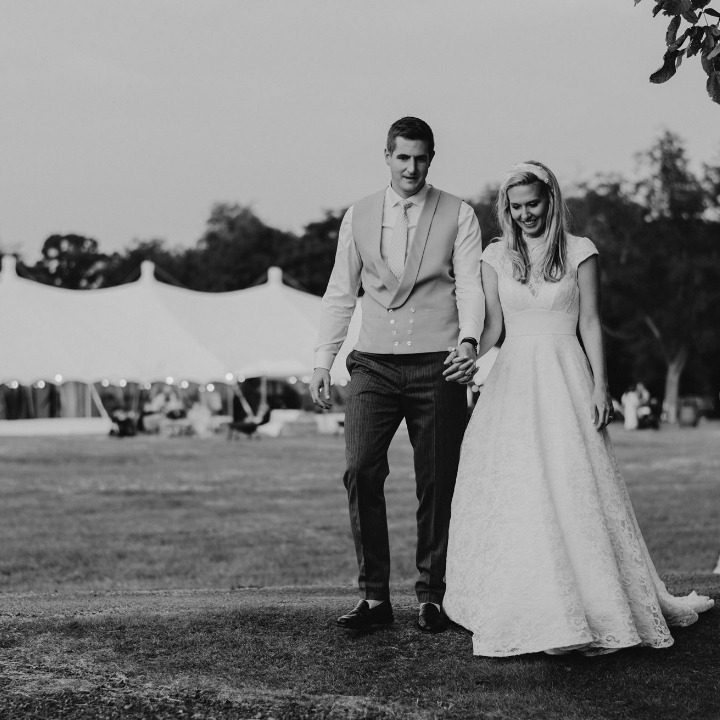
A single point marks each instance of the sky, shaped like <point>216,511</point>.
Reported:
<point>127,121</point>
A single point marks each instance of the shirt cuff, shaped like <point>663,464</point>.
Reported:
<point>468,333</point>
<point>324,360</point>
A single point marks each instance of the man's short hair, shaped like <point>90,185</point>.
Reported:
<point>410,128</point>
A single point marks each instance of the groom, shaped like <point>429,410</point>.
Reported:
<point>415,252</point>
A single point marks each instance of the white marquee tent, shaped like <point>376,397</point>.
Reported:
<point>148,331</point>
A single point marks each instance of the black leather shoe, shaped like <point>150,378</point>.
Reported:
<point>431,619</point>
<point>362,616</point>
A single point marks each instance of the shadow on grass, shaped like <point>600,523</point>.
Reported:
<point>288,660</point>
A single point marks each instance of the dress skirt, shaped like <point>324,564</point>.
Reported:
<point>545,553</point>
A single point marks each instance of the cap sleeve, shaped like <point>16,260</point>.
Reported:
<point>491,256</point>
<point>583,249</point>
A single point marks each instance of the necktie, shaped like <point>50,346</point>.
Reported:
<point>398,244</point>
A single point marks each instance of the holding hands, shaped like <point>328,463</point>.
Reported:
<point>461,364</point>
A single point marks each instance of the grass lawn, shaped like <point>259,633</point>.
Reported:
<point>128,565</point>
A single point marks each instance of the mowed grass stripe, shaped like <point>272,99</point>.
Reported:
<point>277,653</point>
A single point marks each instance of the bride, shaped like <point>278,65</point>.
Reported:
<point>545,553</point>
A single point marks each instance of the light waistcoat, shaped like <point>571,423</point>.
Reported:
<point>418,313</point>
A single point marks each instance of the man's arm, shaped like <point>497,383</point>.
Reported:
<point>336,311</point>
<point>468,293</point>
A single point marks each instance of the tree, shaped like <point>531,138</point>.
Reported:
<point>311,258</point>
<point>70,261</point>
<point>237,248</point>
<point>484,208</point>
<point>661,262</point>
<point>701,36</point>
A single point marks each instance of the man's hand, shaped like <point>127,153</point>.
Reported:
<point>320,388</point>
<point>461,364</point>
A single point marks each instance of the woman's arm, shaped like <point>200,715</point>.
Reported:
<point>493,310</point>
<point>491,329</point>
<point>592,337</point>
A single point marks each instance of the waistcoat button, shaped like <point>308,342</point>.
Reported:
<point>409,343</point>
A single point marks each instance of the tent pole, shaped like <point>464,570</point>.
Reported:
<point>263,391</point>
<point>243,402</point>
<point>88,401</point>
<point>63,399</point>
<point>98,401</point>
<point>31,402</point>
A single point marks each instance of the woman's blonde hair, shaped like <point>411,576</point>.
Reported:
<point>556,222</point>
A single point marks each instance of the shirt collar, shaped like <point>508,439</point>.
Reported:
<point>417,199</point>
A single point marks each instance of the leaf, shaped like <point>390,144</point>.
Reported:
<point>715,52</point>
<point>658,7</point>
<point>698,4</point>
<point>666,71</point>
<point>676,7</point>
<point>714,13</point>
<point>707,65</point>
<point>679,60</point>
<point>696,39</point>
<point>690,15</point>
<point>713,87</point>
<point>671,34</point>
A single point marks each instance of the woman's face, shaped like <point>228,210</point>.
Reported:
<point>529,208</point>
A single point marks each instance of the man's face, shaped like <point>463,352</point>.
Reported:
<point>409,164</point>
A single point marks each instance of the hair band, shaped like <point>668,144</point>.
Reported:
<point>534,169</point>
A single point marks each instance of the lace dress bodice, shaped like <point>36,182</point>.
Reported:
<point>562,296</point>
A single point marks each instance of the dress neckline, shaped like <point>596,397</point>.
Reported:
<point>534,242</point>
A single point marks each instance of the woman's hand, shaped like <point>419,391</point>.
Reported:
<point>461,364</point>
<point>601,412</point>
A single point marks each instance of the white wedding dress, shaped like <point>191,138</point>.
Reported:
<point>545,553</point>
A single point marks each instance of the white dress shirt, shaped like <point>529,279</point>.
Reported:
<point>339,300</point>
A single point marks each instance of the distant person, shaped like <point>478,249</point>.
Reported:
<point>415,251</point>
<point>545,553</point>
<point>630,401</point>
<point>174,407</point>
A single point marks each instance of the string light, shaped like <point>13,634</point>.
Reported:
<point>14,384</point>
<point>41,384</point>
<point>122,383</point>
<point>210,387</point>
<point>58,378</point>
<point>169,380</point>
<point>184,384</point>
<point>292,380</point>
<point>229,377</point>
<point>105,382</point>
